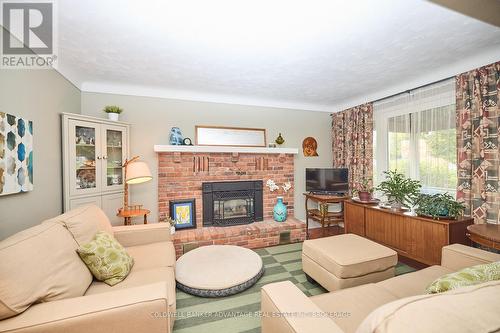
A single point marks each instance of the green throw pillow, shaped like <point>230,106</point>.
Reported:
<point>106,258</point>
<point>466,277</point>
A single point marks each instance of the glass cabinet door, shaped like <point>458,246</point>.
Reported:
<point>114,148</point>
<point>84,149</point>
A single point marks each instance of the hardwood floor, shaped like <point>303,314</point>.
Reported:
<point>325,232</point>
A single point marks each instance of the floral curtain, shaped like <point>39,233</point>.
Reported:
<point>478,131</point>
<point>352,132</point>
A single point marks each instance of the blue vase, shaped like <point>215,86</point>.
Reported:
<point>280,211</point>
<point>175,136</point>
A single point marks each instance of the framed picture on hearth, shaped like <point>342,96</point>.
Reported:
<point>184,213</point>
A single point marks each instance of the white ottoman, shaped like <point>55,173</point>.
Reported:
<point>218,270</point>
<point>346,261</point>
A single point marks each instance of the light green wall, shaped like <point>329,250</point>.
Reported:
<point>38,95</point>
<point>152,118</point>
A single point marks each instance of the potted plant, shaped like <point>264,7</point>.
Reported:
<point>113,112</point>
<point>364,190</point>
<point>280,211</point>
<point>170,221</point>
<point>399,189</point>
<point>441,205</point>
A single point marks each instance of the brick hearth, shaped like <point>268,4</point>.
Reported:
<point>255,235</point>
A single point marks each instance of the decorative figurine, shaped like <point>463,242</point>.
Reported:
<point>175,136</point>
<point>279,140</point>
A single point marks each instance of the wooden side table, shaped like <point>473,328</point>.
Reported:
<point>487,235</point>
<point>322,215</point>
<point>129,214</point>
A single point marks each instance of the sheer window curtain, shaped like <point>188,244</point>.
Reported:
<point>435,130</point>
<point>416,135</point>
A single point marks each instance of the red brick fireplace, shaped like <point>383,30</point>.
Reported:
<point>182,171</point>
<point>180,176</point>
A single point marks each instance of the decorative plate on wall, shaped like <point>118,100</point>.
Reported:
<point>309,147</point>
<point>16,154</point>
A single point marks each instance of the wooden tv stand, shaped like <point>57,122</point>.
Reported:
<point>414,237</point>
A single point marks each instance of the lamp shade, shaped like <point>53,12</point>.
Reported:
<point>137,172</point>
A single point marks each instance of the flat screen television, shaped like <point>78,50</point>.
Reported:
<point>332,180</point>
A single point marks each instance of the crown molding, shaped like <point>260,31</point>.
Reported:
<point>146,91</point>
<point>461,66</point>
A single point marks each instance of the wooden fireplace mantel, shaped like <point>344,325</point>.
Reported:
<point>223,149</point>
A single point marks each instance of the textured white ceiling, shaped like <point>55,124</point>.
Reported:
<point>317,55</point>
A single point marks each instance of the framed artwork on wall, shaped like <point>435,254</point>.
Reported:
<point>309,147</point>
<point>230,136</point>
<point>16,154</point>
<point>184,213</point>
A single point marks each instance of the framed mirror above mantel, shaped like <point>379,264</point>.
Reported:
<point>230,136</point>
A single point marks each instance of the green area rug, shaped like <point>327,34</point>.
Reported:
<point>238,313</point>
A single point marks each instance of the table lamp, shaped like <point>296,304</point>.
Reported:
<point>136,172</point>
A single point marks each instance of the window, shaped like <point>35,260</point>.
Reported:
<point>398,131</point>
<point>416,135</point>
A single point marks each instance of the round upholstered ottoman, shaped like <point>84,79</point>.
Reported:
<point>218,270</point>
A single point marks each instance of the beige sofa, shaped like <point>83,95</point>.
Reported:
<point>45,287</point>
<point>396,305</point>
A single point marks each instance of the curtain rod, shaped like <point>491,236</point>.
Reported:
<point>406,91</point>
<point>410,90</point>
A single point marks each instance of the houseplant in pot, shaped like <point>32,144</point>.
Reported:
<point>280,210</point>
<point>441,205</point>
<point>363,189</point>
<point>171,222</point>
<point>113,112</point>
<point>399,189</point>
